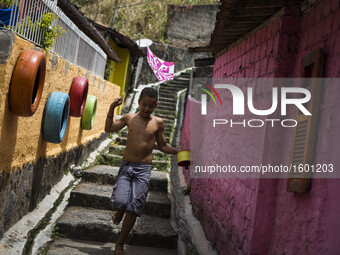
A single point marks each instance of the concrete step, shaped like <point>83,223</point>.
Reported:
<point>96,225</point>
<point>167,127</point>
<point>182,84</point>
<point>181,81</point>
<point>169,104</point>
<point>165,115</point>
<point>170,94</point>
<point>103,174</point>
<point>167,131</point>
<point>168,122</point>
<point>117,149</point>
<point>177,86</point>
<point>88,194</point>
<point>185,74</point>
<point>167,99</point>
<point>166,108</point>
<point>171,88</point>
<point>64,246</point>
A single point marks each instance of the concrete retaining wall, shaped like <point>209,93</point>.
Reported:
<point>190,26</point>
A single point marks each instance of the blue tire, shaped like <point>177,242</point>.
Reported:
<point>56,116</point>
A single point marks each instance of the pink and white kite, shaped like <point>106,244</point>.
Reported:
<point>162,69</point>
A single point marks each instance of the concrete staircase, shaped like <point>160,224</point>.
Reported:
<point>86,226</point>
<point>167,100</point>
<point>88,218</point>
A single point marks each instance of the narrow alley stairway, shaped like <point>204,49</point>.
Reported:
<point>86,226</point>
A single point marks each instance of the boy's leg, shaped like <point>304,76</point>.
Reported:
<point>120,194</point>
<point>117,216</point>
<point>136,202</point>
<point>128,223</point>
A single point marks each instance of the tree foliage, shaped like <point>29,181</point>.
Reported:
<point>147,19</point>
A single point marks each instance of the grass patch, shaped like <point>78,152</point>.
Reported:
<point>186,191</point>
<point>161,157</point>
<point>117,150</point>
<point>105,159</point>
<point>161,167</point>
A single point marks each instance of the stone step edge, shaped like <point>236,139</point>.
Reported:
<point>65,246</point>
<point>89,194</point>
<point>108,232</point>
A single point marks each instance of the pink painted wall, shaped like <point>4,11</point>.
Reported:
<point>309,223</point>
<point>258,216</point>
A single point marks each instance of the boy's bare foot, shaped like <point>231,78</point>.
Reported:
<point>119,250</point>
<point>117,216</point>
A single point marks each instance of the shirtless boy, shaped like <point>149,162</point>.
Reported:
<point>131,187</point>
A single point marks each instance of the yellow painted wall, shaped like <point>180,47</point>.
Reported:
<point>120,70</point>
<point>21,138</point>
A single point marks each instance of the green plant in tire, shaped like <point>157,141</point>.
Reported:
<point>89,114</point>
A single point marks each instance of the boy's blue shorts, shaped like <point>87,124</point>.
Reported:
<point>131,187</point>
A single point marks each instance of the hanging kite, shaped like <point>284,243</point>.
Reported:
<point>162,69</point>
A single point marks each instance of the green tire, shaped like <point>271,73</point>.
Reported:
<point>87,119</point>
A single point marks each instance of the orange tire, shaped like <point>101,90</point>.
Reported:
<point>27,83</point>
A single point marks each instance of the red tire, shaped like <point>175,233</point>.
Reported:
<point>27,83</point>
<point>78,95</point>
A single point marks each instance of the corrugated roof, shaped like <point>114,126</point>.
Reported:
<point>121,39</point>
<point>237,18</point>
<point>73,13</point>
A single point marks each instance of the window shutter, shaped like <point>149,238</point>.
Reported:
<point>304,137</point>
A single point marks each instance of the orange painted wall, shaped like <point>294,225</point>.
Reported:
<point>20,137</point>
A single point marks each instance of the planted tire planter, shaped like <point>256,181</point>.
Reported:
<point>27,83</point>
<point>87,119</point>
<point>56,115</point>
<point>78,95</point>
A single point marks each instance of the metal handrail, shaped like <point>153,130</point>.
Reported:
<point>73,45</point>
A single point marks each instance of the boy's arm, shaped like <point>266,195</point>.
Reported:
<point>114,126</point>
<point>161,141</point>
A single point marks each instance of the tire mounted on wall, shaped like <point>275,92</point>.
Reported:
<point>87,119</point>
<point>56,117</point>
<point>27,83</point>
<point>78,95</point>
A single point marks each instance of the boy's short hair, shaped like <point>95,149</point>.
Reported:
<point>150,92</point>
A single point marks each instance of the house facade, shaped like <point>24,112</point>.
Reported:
<point>259,215</point>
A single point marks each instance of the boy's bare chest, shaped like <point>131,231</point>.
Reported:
<point>145,130</point>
